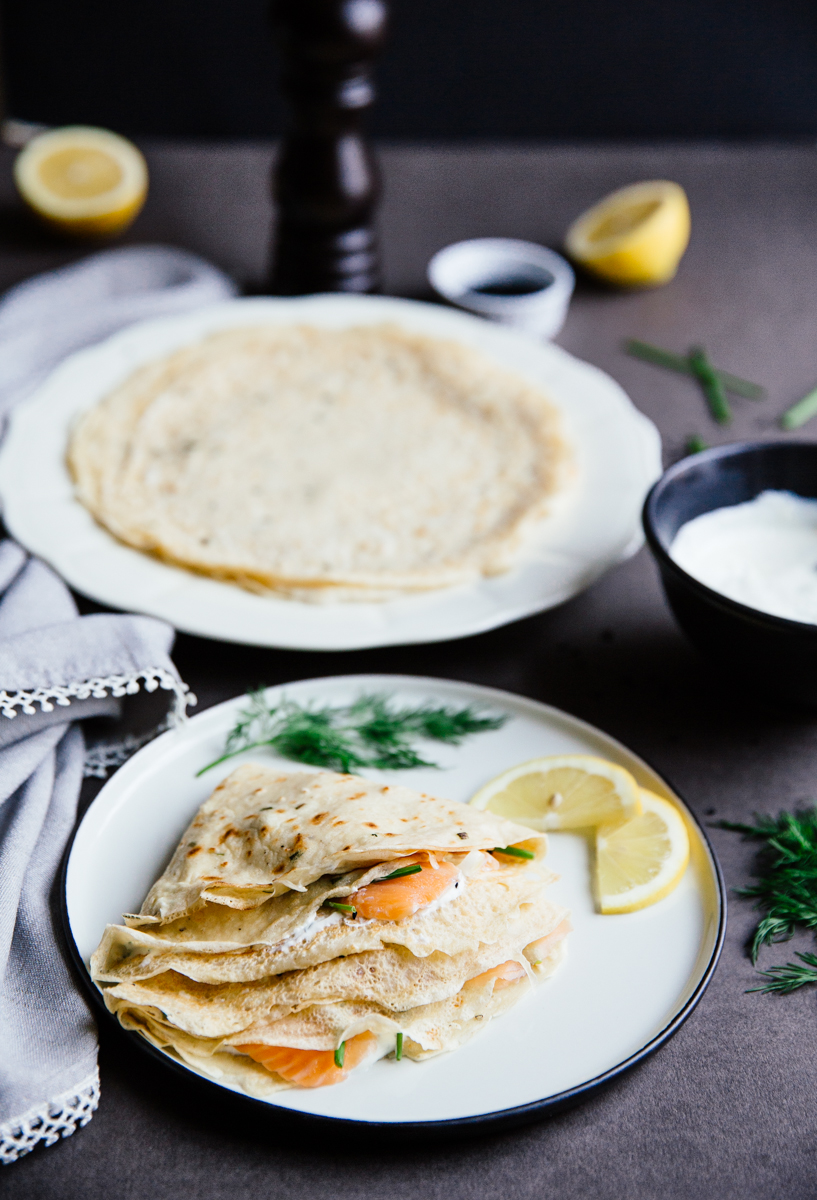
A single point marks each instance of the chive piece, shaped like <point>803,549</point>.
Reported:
<point>741,387</point>
<point>679,363</point>
<point>398,1048</point>
<point>713,388</point>
<point>340,1054</point>
<point>414,869</point>
<point>800,412</point>
<point>345,908</point>
<point>660,358</point>
<point>514,851</point>
<point>695,444</point>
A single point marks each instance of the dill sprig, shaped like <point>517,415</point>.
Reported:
<point>786,889</point>
<point>370,732</point>
<point>790,976</point>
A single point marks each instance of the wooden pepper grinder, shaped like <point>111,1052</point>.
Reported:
<point>326,184</point>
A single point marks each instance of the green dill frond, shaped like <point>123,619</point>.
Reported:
<point>790,976</point>
<point>451,725</point>
<point>370,732</point>
<point>786,887</point>
<point>252,722</point>
<point>376,724</point>
<point>399,758</point>
<point>308,737</point>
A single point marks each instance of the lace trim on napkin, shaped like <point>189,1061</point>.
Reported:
<point>48,1122</point>
<point>117,685</point>
<point>102,757</point>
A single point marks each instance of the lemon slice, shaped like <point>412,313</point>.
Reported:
<point>635,236</point>
<point>85,181</point>
<point>567,791</point>
<point>640,860</point>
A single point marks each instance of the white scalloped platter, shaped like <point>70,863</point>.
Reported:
<point>627,982</point>
<point>595,524</point>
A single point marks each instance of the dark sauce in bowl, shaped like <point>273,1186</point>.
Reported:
<point>514,285</point>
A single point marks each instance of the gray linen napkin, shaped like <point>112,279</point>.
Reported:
<point>57,668</point>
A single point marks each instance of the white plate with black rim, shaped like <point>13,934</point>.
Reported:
<point>593,525</point>
<point>628,981</point>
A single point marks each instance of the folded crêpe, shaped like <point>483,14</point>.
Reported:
<point>350,464</point>
<point>308,919</point>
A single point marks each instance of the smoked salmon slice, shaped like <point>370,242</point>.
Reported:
<point>393,899</point>
<point>536,951</point>
<point>503,975</point>
<point>311,1068</point>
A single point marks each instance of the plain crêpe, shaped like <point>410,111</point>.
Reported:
<point>323,464</point>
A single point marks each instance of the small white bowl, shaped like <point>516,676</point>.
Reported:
<point>517,283</point>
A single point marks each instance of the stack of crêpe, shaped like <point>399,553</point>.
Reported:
<point>346,464</point>
<point>310,923</point>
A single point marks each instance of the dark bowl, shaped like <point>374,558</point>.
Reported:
<point>774,657</point>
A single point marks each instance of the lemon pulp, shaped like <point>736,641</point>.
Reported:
<point>80,173</point>
<point>569,791</point>
<point>623,221</point>
<point>82,180</point>
<point>642,859</point>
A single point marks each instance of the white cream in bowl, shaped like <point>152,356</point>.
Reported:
<point>762,553</point>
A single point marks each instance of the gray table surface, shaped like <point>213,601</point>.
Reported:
<point>728,1108</point>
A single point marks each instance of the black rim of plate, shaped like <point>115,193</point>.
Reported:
<point>501,1119</point>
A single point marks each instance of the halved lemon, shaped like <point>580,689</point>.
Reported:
<point>640,860</point>
<point>565,791</point>
<point>84,181</point>
<point>635,236</point>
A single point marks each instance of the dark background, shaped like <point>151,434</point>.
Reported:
<point>453,68</point>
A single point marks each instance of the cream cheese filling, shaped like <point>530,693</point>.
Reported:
<point>321,921</point>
